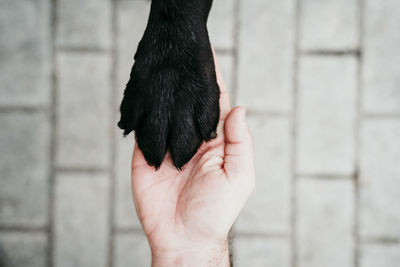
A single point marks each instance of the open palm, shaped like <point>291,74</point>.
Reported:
<point>198,205</point>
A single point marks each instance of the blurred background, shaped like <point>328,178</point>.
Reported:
<point>320,80</point>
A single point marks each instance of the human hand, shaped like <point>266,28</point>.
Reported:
<point>187,215</point>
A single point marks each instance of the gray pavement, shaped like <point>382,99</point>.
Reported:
<point>320,81</point>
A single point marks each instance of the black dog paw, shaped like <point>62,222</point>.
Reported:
<point>172,98</point>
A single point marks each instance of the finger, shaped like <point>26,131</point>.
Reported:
<point>138,157</point>
<point>139,169</point>
<point>224,97</point>
<point>238,146</point>
<point>220,78</point>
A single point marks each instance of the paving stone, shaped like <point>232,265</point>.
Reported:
<point>131,22</point>
<point>327,98</point>
<point>268,210</point>
<point>84,23</point>
<point>325,222</point>
<point>221,24</point>
<point>379,178</point>
<point>24,169</point>
<point>131,250</point>
<point>266,54</point>
<point>330,24</point>
<point>81,220</point>
<point>381,73</point>
<point>380,255</point>
<point>25,53</point>
<point>83,110</point>
<point>23,249</point>
<point>261,252</point>
<point>327,113</point>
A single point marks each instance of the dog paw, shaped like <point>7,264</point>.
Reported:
<point>172,98</point>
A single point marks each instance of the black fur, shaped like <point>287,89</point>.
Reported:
<point>172,98</point>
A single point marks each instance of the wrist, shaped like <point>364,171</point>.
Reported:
<point>211,255</point>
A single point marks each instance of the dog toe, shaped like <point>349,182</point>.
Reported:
<point>185,139</point>
<point>151,138</point>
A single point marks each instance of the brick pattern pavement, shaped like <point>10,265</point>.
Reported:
<point>320,80</point>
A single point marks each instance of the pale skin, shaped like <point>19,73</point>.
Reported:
<point>187,215</point>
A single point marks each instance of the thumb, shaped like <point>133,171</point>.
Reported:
<point>239,161</point>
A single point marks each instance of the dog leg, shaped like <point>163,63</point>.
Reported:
<point>172,98</point>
